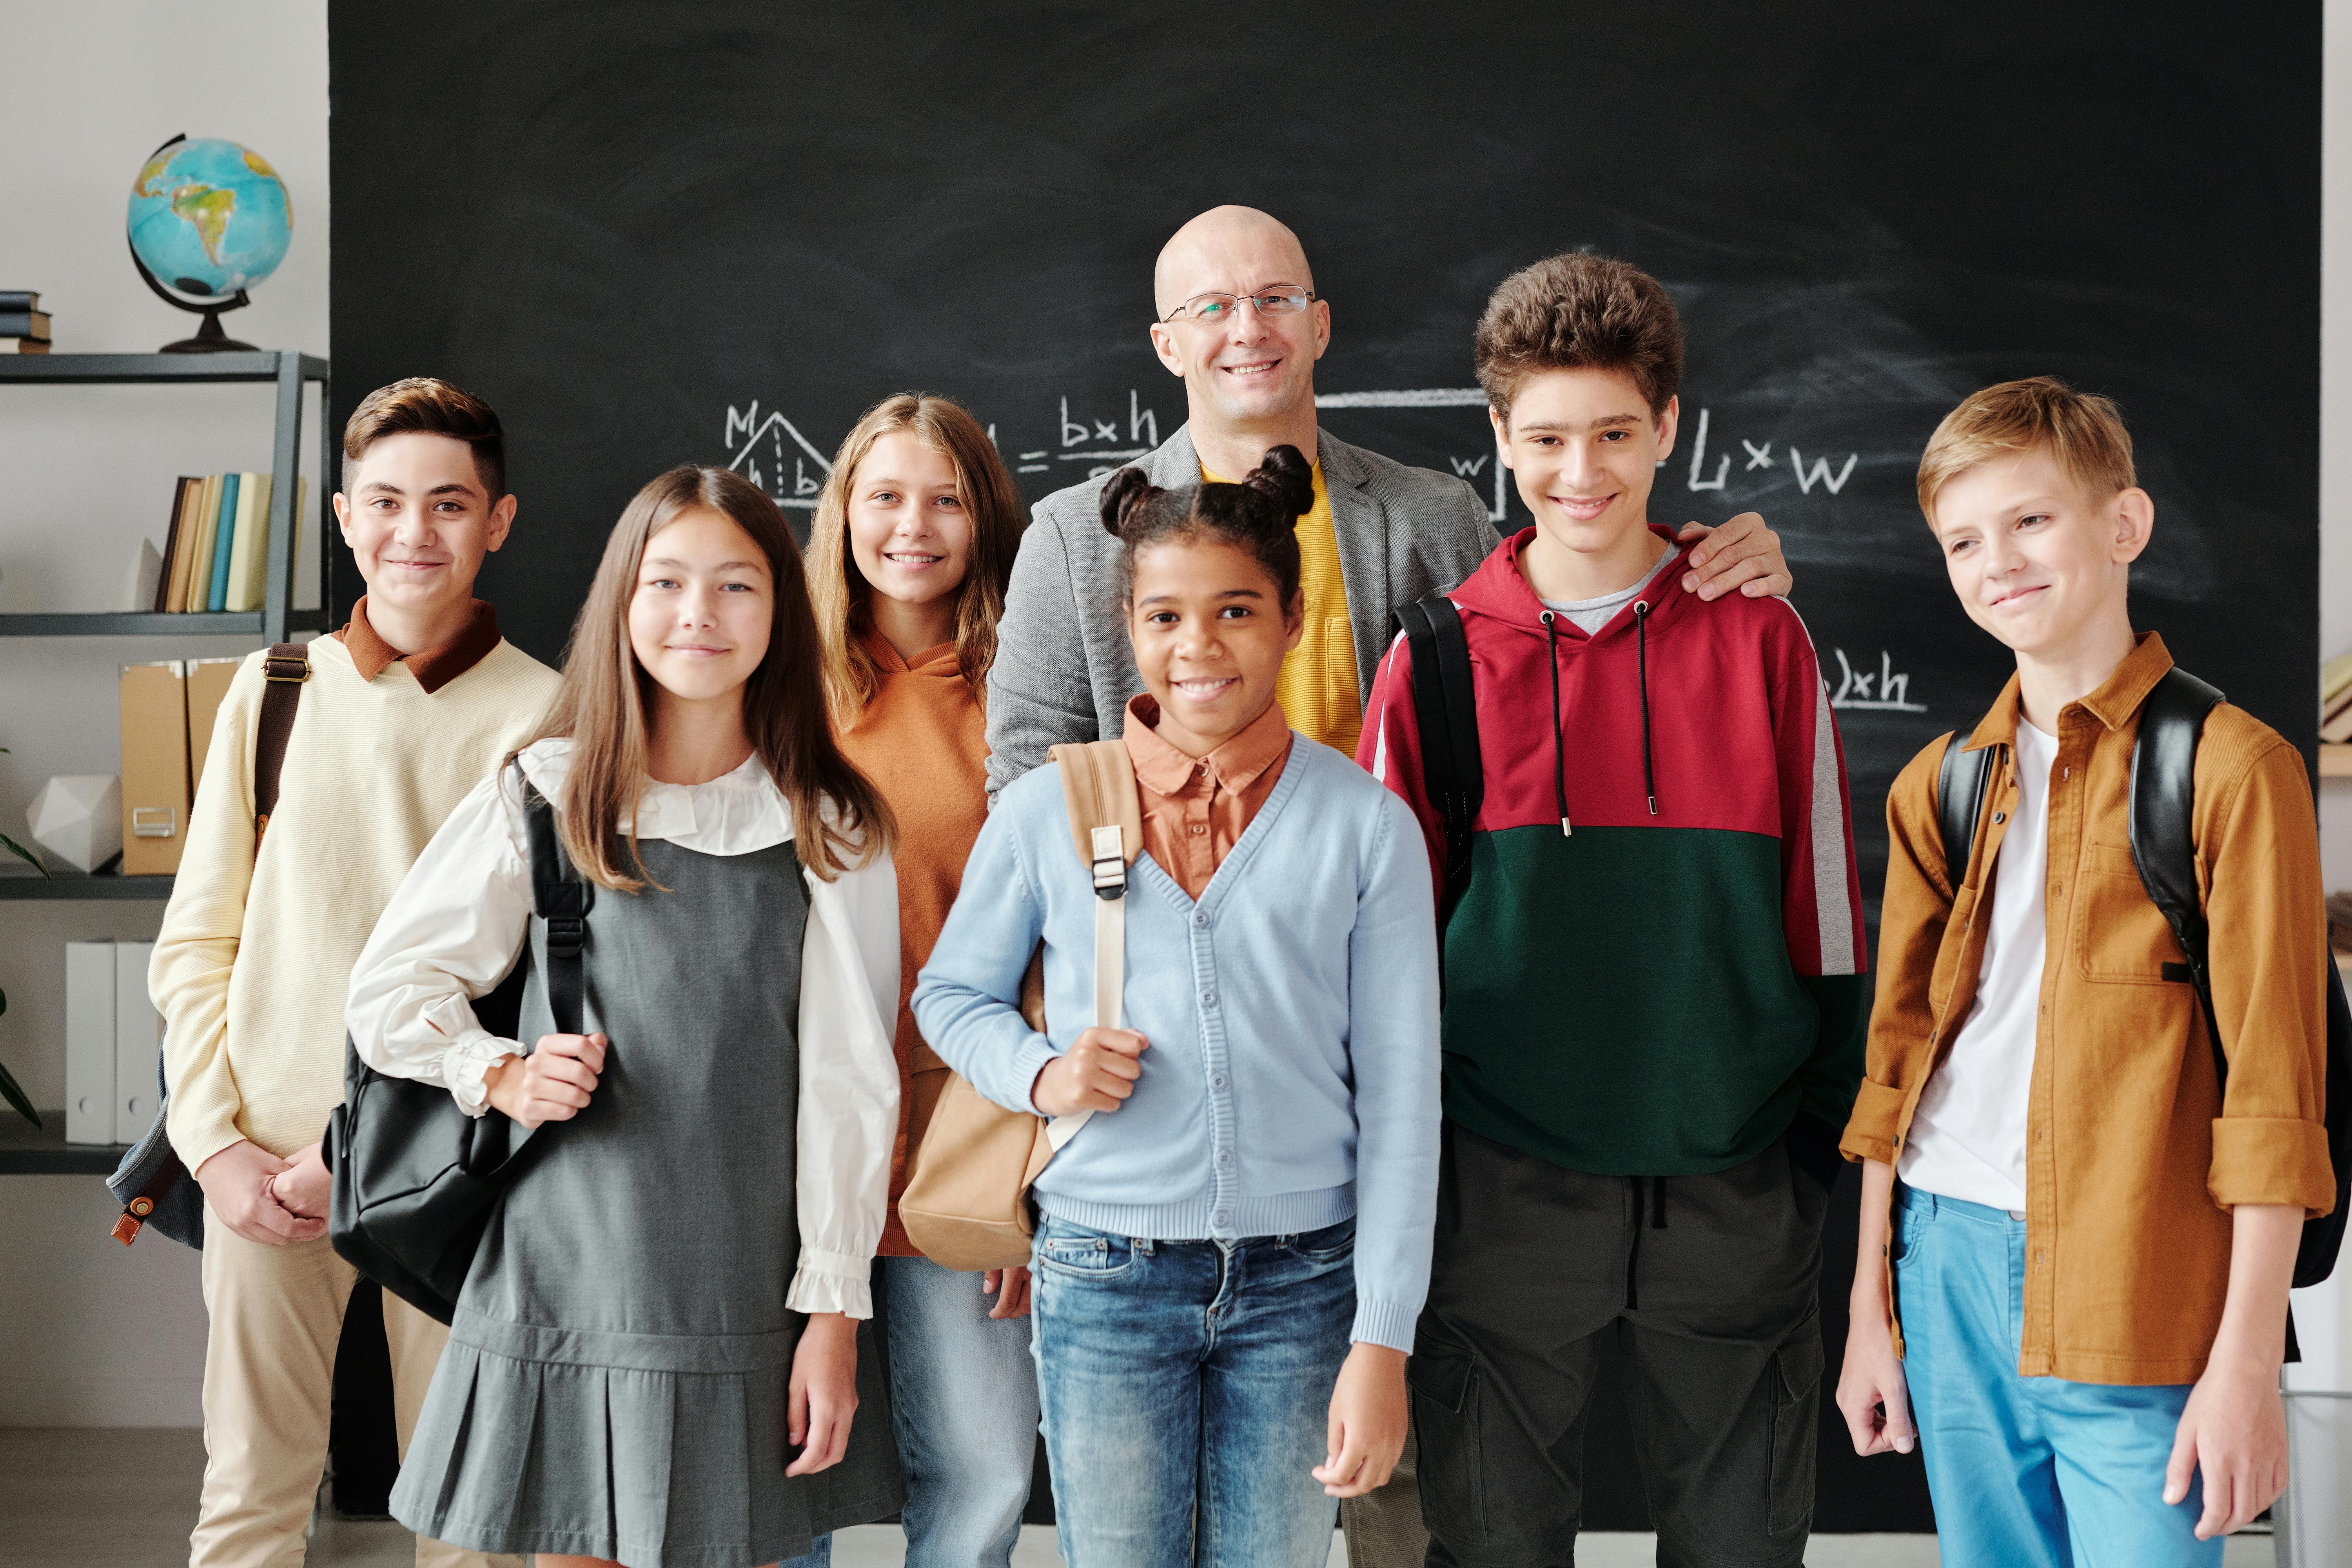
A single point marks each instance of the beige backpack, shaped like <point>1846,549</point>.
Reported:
<point>966,1205</point>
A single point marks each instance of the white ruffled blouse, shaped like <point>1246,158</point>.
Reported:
<point>458,925</point>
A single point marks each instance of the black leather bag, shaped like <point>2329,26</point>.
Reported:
<point>416,1180</point>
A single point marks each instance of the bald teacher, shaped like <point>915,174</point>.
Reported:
<point>1239,321</point>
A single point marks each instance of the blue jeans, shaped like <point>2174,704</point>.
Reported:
<point>2027,1472</point>
<point>964,1394</point>
<point>1191,1381</point>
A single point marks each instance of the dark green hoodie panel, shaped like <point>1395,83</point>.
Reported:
<point>1651,1026</point>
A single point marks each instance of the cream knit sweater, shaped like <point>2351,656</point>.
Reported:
<point>254,957</point>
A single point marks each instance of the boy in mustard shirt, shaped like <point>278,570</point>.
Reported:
<point>2090,1247</point>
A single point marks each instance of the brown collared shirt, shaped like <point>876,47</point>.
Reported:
<point>436,667</point>
<point>2133,1163</point>
<point>1196,809</point>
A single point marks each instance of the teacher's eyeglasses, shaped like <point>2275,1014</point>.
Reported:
<point>1215,309</point>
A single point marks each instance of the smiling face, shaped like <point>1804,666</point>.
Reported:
<point>1585,450</point>
<point>1210,631</point>
<point>700,615</point>
<point>909,524</point>
<point>1251,370</point>
<point>418,521</point>
<point>2039,560</point>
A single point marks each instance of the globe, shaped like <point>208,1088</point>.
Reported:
<point>209,217</point>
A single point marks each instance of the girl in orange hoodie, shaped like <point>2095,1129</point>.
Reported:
<point>911,546</point>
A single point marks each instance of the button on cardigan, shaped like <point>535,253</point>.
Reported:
<point>1292,1075</point>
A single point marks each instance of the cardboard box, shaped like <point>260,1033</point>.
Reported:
<point>208,681</point>
<point>89,1042</point>
<point>155,791</point>
<point>137,1039</point>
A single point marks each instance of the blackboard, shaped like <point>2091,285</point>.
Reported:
<point>715,232</point>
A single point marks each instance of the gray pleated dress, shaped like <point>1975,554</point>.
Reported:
<point>616,1377</point>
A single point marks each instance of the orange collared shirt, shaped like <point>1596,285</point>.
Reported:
<point>1196,809</point>
<point>2132,1161</point>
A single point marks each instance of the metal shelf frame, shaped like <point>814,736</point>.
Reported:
<point>290,372</point>
<point>65,888</point>
<point>29,1151</point>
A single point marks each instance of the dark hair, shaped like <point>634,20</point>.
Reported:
<point>425,405</point>
<point>1260,515</point>
<point>1579,312</point>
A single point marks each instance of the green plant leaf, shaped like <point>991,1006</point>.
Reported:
<point>23,854</point>
<point>16,1098</point>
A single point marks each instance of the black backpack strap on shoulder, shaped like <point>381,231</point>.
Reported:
<point>284,668</point>
<point>2163,847</point>
<point>560,897</point>
<point>1960,784</point>
<point>1445,711</point>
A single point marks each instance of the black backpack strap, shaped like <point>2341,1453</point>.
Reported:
<point>2164,848</point>
<point>1445,710</point>
<point>1960,784</point>
<point>561,897</point>
<point>283,670</point>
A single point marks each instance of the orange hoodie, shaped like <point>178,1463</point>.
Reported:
<point>923,741</point>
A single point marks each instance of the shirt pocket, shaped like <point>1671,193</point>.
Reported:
<point>2118,936</point>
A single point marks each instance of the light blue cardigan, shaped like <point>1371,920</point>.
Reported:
<point>1292,1078</point>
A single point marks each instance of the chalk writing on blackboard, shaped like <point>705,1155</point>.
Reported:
<point>746,430</point>
<point>1888,691</point>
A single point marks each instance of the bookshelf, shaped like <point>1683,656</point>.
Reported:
<point>29,1151</point>
<point>275,621</point>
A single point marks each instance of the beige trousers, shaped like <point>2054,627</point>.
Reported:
<point>1384,1529</point>
<point>269,1369</point>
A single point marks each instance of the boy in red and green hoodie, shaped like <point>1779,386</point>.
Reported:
<point>1654,1003</point>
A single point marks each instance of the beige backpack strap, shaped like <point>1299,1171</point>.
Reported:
<point>1107,830</point>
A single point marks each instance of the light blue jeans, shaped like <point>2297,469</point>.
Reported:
<point>1186,1387</point>
<point>2026,1472</point>
<point>964,1394</point>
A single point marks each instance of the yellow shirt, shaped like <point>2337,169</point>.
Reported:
<point>1318,686</point>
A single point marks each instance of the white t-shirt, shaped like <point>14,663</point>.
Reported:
<point>1968,1136</point>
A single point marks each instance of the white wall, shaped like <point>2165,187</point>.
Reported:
<point>91,1333</point>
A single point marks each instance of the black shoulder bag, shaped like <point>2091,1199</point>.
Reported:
<point>2164,849</point>
<point>415,1179</point>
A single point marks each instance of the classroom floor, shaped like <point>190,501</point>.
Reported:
<point>124,1497</point>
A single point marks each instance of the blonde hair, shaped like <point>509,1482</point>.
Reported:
<point>839,819</point>
<point>843,597</point>
<point>2083,432</point>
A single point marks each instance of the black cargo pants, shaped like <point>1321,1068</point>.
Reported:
<point>1707,1287</point>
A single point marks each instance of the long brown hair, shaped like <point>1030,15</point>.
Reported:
<point>838,818</point>
<point>843,597</point>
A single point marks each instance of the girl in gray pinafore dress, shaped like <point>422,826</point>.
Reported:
<point>618,1374</point>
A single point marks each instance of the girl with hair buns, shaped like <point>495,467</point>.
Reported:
<point>1232,1251</point>
<point>908,553</point>
<point>655,1359</point>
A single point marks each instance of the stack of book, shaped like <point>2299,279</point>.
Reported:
<point>216,546</point>
<point>2336,699</point>
<point>23,325</point>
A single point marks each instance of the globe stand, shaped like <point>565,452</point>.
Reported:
<point>209,338</point>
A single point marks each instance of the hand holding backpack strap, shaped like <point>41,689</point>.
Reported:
<point>1107,829</point>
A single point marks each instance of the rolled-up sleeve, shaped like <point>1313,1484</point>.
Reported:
<point>2264,903</point>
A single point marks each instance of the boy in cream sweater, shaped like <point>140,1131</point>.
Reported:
<point>404,710</point>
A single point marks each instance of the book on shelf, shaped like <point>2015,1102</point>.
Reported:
<point>171,542</point>
<point>23,323</point>
<point>2338,729</point>
<point>20,299</point>
<point>24,345</point>
<point>184,538</point>
<point>2335,680</point>
<point>248,560</point>
<point>224,541</point>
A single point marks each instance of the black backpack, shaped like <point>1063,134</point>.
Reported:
<point>1445,708</point>
<point>2163,784</point>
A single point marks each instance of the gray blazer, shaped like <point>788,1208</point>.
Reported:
<point>1063,670</point>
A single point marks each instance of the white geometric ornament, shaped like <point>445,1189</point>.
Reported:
<point>78,819</point>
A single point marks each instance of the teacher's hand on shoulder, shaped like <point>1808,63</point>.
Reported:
<point>1097,1073</point>
<point>552,1083</point>
<point>1743,554</point>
